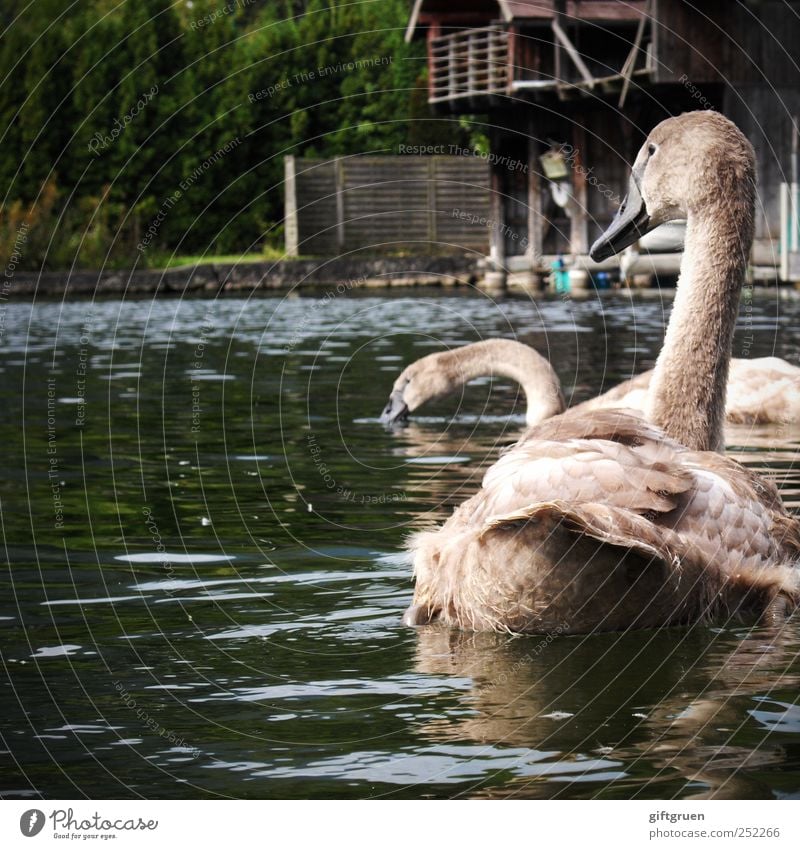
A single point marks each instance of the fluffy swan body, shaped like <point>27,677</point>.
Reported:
<point>764,390</point>
<point>601,522</point>
<point>605,520</point>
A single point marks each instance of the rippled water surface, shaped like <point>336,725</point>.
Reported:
<point>203,524</point>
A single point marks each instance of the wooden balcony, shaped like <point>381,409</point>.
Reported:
<point>470,63</point>
<point>469,66</point>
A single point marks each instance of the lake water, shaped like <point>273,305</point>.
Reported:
<point>204,523</point>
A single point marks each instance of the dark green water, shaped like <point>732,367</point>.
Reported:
<point>203,527</point>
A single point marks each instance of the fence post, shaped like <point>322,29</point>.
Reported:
<point>338,166</point>
<point>291,237</point>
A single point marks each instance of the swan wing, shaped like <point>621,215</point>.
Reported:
<point>602,520</point>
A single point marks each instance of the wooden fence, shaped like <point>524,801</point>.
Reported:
<point>386,204</point>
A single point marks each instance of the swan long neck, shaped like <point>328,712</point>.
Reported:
<point>535,376</point>
<point>687,393</point>
<point>506,358</point>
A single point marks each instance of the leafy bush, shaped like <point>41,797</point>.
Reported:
<point>116,115</point>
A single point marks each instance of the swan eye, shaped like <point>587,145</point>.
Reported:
<point>651,149</point>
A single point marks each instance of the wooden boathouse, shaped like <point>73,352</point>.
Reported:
<point>568,90</point>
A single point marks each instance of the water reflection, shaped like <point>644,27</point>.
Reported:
<point>622,704</point>
<point>219,615</point>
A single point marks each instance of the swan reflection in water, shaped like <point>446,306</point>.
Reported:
<point>701,707</point>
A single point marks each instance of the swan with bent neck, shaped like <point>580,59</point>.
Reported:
<point>445,372</point>
<point>762,390</point>
<point>606,520</point>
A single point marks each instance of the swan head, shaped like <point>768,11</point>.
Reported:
<point>686,164</point>
<point>425,380</point>
<point>396,410</point>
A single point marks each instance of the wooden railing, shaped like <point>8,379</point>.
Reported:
<point>469,63</point>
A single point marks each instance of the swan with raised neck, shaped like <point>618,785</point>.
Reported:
<point>699,167</point>
<point>445,372</point>
<point>605,521</point>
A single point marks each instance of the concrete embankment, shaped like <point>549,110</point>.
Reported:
<point>252,277</point>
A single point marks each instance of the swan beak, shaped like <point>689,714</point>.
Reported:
<point>630,223</point>
<point>396,410</point>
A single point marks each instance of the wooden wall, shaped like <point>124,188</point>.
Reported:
<point>383,204</point>
<point>728,41</point>
<point>766,115</point>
